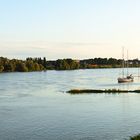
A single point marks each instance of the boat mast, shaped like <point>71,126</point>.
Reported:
<point>123,62</point>
<point>138,69</point>
<point>127,64</point>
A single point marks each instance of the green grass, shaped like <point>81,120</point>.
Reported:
<point>136,137</point>
<point>81,91</point>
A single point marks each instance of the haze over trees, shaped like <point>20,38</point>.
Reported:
<point>41,64</point>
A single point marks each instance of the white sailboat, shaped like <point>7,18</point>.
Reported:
<point>127,78</point>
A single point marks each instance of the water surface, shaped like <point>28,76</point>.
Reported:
<point>35,106</point>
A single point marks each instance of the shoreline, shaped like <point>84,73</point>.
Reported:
<point>42,64</point>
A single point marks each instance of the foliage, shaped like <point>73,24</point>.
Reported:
<point>66,64</point>
<point>1,68</point>
<point>39,64</point>
<point>21,67</point>
<point>30,64</point>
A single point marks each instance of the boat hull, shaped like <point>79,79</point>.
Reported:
<point>125,80</point>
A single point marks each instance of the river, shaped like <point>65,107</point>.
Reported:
<point>35,106</point>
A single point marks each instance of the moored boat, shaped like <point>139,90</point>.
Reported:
<point>128,78</point>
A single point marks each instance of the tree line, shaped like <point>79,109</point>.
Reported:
<point>7,65</point>
<point>41,64</point>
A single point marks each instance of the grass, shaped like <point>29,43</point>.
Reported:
<point>136,137</point>
<point>81,91</point>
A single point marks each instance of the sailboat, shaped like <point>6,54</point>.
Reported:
<point>127,78</point>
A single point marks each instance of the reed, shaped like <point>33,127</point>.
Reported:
<point>136,137</point>
<point>81,91</point>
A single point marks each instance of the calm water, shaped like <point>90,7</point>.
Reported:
<point>35,106</point>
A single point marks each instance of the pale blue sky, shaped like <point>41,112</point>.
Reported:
<point>69,28</point>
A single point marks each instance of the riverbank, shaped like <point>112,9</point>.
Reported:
<point>40,64</point>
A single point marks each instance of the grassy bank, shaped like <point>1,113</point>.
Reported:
<point>81,91</point>
<point>136,137</point>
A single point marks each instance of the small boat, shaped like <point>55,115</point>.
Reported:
<point>128,78</point>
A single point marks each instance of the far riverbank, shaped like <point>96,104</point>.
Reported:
<point>42,64</point>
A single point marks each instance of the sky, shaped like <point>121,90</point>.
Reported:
<point>75,29</point>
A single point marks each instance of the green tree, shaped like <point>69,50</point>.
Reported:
<point>30,65</point>
<point>36,67</point>
<point>44,62</point>
<point>1,68</point>
<point>21,67</point>
<point>9,67</point>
